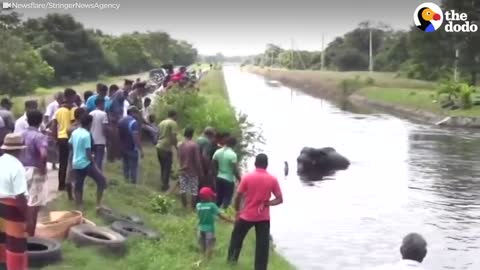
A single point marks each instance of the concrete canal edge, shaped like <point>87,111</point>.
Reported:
<point>326,91</point>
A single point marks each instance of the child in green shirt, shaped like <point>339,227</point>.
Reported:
<point>207,212</point>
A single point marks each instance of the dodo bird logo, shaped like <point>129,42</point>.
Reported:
<point>428,17</point>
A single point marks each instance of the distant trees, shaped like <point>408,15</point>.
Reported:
<point>21,67</point>
<point>412,53</point>
<point>58,49</point>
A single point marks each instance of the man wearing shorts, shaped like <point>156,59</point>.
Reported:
<point>190,168</point>
<point>83,162</point>
<point>34,159</point>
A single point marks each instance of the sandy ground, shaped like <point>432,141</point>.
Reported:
<point>52,183</point>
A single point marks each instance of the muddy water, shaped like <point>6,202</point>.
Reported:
<point>404,177</point>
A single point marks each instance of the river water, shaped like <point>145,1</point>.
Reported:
<point>405,177</point>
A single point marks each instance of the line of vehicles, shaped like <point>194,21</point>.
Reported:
<point>167,74</point>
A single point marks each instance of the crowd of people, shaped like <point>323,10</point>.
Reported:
<point>75,133</point>
<point>81,133</point>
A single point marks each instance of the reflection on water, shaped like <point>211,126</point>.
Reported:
<point>404,177</point>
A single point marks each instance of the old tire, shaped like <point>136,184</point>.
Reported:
<point>128,229</point>
<point>109,216</point>
<point>101,237</point>
<point>42,252</point>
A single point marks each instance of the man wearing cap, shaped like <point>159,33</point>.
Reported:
<point>255,189</point>
<point>131,147</point>
<point>21,125</point>
<point>135,97</point>
<point>13,202</point>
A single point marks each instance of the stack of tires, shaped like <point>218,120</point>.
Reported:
<point>110,239</point>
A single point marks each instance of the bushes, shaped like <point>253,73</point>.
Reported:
<point>349,86</point>
<point>161,204</point>
<point>209,107</point>
<point>456,93</point>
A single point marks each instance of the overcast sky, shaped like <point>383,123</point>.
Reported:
<point>241,27</point>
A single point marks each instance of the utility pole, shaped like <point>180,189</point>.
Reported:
<point>455,69</point>
<point>323,53</point>
<point>300,58</point>
<point>370,58</point>
<point>291,54</point>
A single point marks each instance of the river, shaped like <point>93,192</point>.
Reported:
<point>404,177</point>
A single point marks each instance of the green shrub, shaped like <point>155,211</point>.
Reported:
<point>349,86</point>
<point>460,93</point>
<point>199,111</point>
<point>161,204</point>
<point>369,81</point>
<point>466,92</point>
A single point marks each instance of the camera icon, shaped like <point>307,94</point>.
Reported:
<point>6,5</point>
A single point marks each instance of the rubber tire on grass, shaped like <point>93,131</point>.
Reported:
<point>109,216</point>
<point>129,229</point>
<point>110,241</point>
<point>50,252</point>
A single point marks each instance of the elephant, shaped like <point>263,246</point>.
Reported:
<point>321,162</point>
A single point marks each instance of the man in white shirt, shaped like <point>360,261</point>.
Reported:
<point>413,250</point>
<point>52,108</point>
<point>99,131</point>
<point>22,124</point>
<point>47,120</point>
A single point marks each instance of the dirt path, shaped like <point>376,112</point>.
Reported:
<point>52,184</point>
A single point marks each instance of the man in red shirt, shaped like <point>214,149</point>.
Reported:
<point>256,189</point>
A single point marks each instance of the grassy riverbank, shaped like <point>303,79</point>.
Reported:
<point>177,250</point>
<point>377,86</point>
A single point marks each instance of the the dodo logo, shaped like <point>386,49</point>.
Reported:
<point>428,17</point>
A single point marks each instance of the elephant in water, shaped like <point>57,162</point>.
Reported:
<point>314,164</point>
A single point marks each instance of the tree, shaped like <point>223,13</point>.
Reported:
<point>393,52</point>
<point>157,44</point>
<point>73,51</point>
<point>131,54</point>
<point>467,43</point>
<point>21,68</point>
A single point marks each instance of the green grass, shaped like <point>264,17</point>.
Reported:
<point>381,79</point>
<point>415,99</point>
<point>178,247</point>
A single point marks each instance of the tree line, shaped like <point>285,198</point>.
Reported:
<point>57,49</point>
<point>413,53</point>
